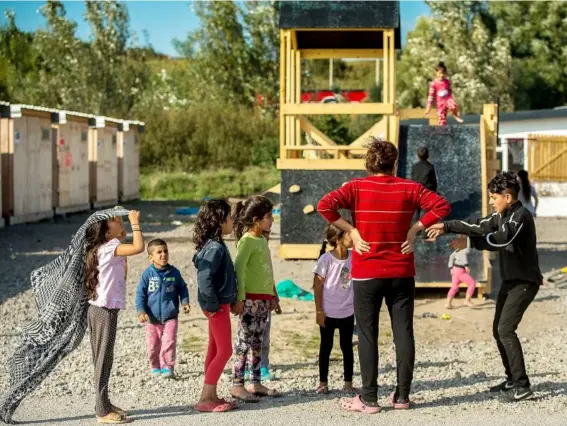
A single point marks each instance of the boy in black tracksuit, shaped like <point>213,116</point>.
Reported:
<point>510,231</point>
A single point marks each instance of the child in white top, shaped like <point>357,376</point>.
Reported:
<point>334,304</point>
<point>105,269</point>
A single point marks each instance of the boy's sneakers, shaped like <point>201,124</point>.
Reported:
<point>515,395</point>
<point>156,371</point>
<point>167,373</point>
<point>505,386</point>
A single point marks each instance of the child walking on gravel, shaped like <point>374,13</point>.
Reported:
<point>460,273</point>
<point>217,289</point>
<point>256,293</point>
<point>105,283</point>
<point>334,304</point>
<point>159,291</point>
<point>511,232</point>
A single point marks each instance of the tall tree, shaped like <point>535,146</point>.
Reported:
<point>18,73</point>
<point>462,34</point>
<point>117,77</point>
<point>234,54</point>
<point>537,32</point>
<point>62,60</point>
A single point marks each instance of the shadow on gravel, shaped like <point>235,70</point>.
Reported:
<point>146,414</point>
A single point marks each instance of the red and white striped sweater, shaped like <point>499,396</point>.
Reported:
<point>382,208</point>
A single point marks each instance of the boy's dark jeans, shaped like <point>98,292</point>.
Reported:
<point>399,294</point>
<point>513,299</point>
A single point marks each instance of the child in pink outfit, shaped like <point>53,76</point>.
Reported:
<point>440,91</point>
<point>460,272</point>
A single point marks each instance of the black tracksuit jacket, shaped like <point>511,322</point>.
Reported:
<point>512,234</point>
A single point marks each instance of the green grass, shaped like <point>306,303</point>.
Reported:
<point>221,183</point>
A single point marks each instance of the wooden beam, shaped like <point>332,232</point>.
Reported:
<point>293,35</point>
<point>418,113</point>
<point>288,83</point>
<point>324,164</point>
<point>342,53</point>
<point>342,29</point>
<point>282,94</point>
<point>300,251</point>
<point>297,95</point>
<point>337,109</point>
<point>314,133</point>
<point>377,129</point>
<point>320,148</point>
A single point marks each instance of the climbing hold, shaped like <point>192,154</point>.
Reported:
<point>294,188</point>
<point>308,209</point>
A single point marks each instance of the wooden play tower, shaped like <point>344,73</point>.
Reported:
<point>312,164</point>
<point>334,30</point>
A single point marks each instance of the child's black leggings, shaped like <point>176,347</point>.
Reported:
<point>346,329</point>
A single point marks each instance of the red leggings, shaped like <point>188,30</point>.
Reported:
<point>220,345</point>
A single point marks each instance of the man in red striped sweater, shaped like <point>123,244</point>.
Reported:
<point>382,206</point>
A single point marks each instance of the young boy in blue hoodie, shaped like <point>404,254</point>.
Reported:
<point>159,292</point>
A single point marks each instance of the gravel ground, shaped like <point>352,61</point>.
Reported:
<point>455,365</point>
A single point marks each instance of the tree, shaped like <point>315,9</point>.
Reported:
<point>18,71</point>
<point>537,32</point>
<point>462,34</point>
<point>117,77</point>
<point>62,61</point>
<point>233,56</point>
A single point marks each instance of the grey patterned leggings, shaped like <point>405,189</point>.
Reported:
<point>102,324</point>
<point>249,337</point>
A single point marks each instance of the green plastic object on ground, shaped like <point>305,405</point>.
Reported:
<point>290,290</point>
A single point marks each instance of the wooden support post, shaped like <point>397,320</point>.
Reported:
<point>297,95</point>
<point>386,71</point>
<point>282,94</point>
<point>288,88</point>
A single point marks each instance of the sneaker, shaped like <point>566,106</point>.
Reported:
<point>156,372</point>
<point>265,375</point>
<point>505,386</point>
<point>518,394</point>
<point>167,373</point>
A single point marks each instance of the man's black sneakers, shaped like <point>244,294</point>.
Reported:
<point>505,386</point>
<point>515,395</point>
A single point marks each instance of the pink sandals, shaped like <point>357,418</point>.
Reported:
<point>398,405</point>
<point>356,404</point>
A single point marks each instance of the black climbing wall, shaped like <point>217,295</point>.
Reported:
<point>300,228</point>
<point>455,153</point>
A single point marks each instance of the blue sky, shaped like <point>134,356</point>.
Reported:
<point>163,20</point>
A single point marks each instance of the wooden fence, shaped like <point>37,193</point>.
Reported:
<point>547,158</point>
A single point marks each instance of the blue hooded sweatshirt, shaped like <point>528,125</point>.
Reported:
<point>216,280</point>
<point>159,292</point>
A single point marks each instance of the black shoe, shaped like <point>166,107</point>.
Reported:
<point>502,387</point>
<point>518,394</point>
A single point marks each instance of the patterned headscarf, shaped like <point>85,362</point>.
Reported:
<point>62,303</point>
